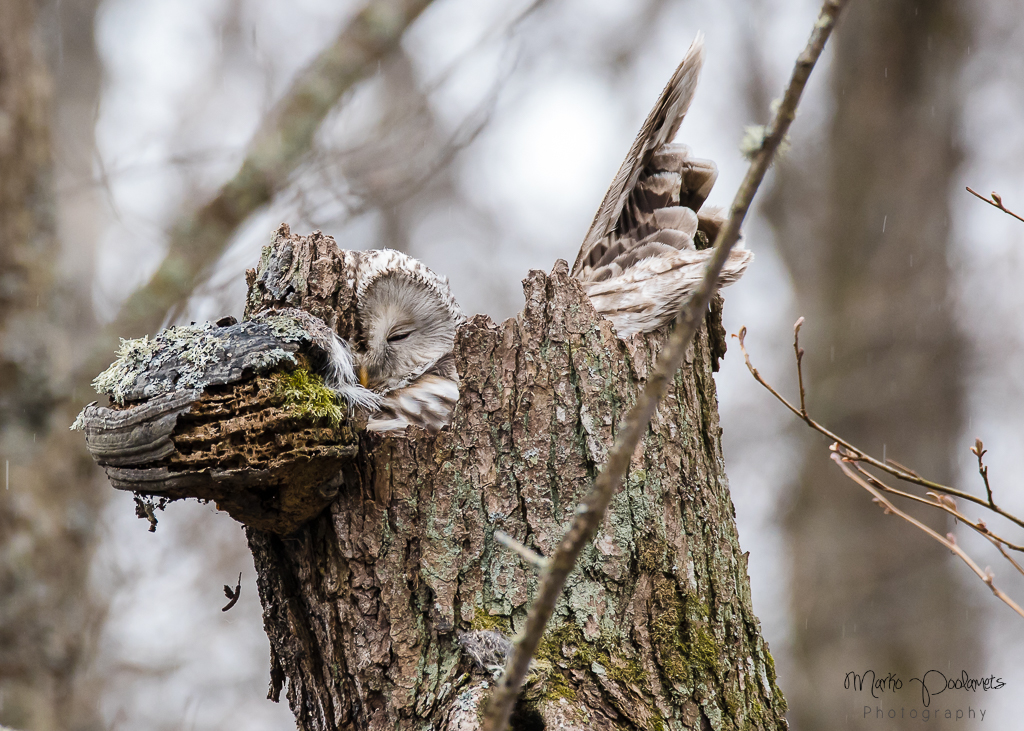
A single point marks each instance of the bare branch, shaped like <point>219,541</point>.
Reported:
<point>891,467</point>
<point>590,512</point>
<point>948,541</point>
<point>276,150</point>
<point>942,502</point>
<point>845,454</point>
<point>999,544</point>
<point>995,201</point>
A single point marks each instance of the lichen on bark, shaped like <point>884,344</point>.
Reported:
<point>234,414</point>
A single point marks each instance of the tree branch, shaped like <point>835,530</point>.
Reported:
<point>845,454</point>
<point>276,150</point>
<point>942,502</point>
<point>890,466</point>
<point>995,201</point>
<point>590,512</point>
<point>947,541</point>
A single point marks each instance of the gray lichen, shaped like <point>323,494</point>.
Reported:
<point>133,357</point>
<point>79,423</point>
<point>197,356</point>
<point>287,328</point>
<point>267,359</point>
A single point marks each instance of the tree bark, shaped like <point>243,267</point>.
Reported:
<point>365,604</point>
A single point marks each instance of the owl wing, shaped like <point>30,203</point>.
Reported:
<point>646,250</point>
<point>651,177</point>
<point>649,293</point>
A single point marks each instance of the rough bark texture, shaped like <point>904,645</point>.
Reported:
<point>884,358</point>
<point>364,605</point>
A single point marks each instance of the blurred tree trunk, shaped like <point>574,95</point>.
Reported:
<point>865,230</point>
<point>50,499</point>
<point>365,605</point>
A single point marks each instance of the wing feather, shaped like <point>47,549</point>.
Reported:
<point>659,128</point>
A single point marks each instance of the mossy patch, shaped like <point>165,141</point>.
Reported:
<point>564,651</point>
<point>686,648</point>
<point>307,396</point>
<point>652,554</point>
<point>482,620</point>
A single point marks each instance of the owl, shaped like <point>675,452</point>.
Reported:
<point>408,318</point>
<point>642,258</point>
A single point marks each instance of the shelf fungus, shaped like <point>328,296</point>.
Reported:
<point>234,413</point>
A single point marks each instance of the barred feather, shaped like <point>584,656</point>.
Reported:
<point>640,261</point>
<point>428,403</point>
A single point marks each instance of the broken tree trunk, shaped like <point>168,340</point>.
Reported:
<point>365,604</point>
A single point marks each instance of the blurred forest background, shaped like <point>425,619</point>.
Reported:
<point>481,141</point>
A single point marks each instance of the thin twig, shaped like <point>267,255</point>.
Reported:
<point>799,366</point>
<point>995,201</point>
<point>897,465</point>
<point>999,545</point>
<point>942,502</point>
<point>979,451</point>
<point>232,595</point>
<point>862,456</point>
<point>947,541</point>
<point>530,556</point>
<point>590,512</point>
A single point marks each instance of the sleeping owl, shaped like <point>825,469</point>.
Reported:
<point>642,258</point>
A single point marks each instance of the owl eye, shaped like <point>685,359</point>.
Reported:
<point>394,338</point>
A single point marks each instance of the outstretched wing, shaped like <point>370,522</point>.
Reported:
<point>659,187</point>
<point>646,250</point>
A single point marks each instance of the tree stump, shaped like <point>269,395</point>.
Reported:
<point>365,604</point>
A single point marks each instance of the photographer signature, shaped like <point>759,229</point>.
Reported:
<point>933,683</point>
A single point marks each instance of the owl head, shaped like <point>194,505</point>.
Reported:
<point>408,318</point>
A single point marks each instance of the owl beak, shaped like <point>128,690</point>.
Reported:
<point>364,376</point>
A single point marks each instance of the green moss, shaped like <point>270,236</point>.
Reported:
<point>565,646</point>
<point>556,686</point>
<point>667,631</point>
<point>651,555</point>
<point>307,396</point>
<point>733,702</point>
<point>482,620</point>
<point>770,662</point>
<point>565,649</point>
<point>686,649</point>
<point>703,650</point>
<point>560,650</point>
<point>757,718</point>
<point>630,672</point>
